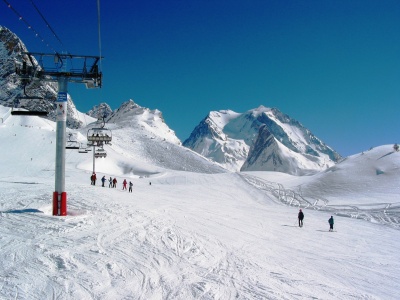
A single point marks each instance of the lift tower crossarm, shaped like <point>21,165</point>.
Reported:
<point>92,79</point>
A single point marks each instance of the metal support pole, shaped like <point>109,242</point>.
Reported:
<point>60,196</point>
<point>94,159</point>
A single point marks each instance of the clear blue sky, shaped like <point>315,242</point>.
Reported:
<point>332,65</point>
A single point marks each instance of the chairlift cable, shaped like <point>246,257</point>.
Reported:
<point>28,25</point>
<point>47,23</point>
<point>99,32</point>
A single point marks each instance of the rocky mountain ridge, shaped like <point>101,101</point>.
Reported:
<point>262,139</point>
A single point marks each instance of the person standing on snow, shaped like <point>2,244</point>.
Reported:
<point>331,222</point>
<point>91,179</point>
<point>94,178</point>
<point>115,182</point>
<point>103,180</point>
<point>300,217</point>
<point>130,186</point>
<point>124,184</point>
<point>110,182</point>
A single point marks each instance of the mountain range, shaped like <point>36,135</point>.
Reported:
<point>259,139</point>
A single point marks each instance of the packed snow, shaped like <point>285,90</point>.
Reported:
<point>189,229</point>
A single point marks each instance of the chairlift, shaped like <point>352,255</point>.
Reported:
<point>18,112</point>
<point>82,149</point>
<point>99,135</point>
<point>100,153</point>
<point>72,143</point>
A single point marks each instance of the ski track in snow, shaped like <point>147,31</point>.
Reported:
<point>141,254</point>
<point>382,213</point>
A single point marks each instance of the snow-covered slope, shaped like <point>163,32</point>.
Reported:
<point>260,139</point>
<point>130,114</point>
<point>186,236</point>
<point>371,174</point>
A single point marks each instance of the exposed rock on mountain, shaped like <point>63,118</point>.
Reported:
<point>14,91</point>
<point>260,139</point>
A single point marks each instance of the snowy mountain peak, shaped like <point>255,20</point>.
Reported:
<point>260,139</point>
<point>131,114</point>
<point>10,42</point>
<point>261,109</point>
<point>100,111</point>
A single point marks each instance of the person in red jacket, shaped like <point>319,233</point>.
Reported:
<point>94,178</point>
<point>124,184</point>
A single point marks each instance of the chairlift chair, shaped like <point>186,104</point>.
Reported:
<point>72,144</point>
<point>100,153</point>
<point>99,135</point>
<point>19,112</point>
<point>82,149</point>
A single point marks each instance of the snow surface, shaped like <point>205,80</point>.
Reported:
<point>190,235</point>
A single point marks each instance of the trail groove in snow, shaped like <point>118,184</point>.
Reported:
<point>383,213</point>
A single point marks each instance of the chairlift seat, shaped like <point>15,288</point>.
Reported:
<point>100,155</point>
<point>99,135</point>
<point>72,145</point>
<point>29,113</point>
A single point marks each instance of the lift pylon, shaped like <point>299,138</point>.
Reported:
<point>88,73</point>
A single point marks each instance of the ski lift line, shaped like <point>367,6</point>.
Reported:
<point>47,23</point>
<point>28,25</point>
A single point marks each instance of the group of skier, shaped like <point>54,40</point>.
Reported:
<point>112,182</point>
<point>300,217</point>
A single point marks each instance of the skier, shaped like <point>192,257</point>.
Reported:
<point>331,222</point>
<point>130,186</point>
<point>91,179</point>
<point>110,182</point>
<point>300,217</point>
<point>124,184</point>
<point>94,178</point>
<point>103,180</point>
<point>115,182</point>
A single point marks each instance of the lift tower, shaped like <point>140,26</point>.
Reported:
<point>35,66</point>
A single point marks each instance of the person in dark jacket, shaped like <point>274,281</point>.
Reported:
<point>300,217</point>
<point>103,180</point>
<point>331,222</point>
<point>130,186</point>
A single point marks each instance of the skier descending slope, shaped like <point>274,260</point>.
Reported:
<point>300,217</point>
